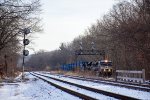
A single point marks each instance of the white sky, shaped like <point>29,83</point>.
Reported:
<point>63,20</point>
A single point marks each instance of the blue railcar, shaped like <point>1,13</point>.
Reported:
<point>72,66</point>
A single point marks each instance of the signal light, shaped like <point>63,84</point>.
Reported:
<point>25,52</point>
<point>26,31</point>
<point>26,41</point>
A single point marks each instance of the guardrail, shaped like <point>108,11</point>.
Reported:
<point>131,76</point>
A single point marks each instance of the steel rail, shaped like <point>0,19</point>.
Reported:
<point>118,96</point>
<point>121,84</point>
<point>135,86</point>
<point>80,95</point>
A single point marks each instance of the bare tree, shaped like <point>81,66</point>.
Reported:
<point>16,15</point>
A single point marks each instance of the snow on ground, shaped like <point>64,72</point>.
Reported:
<point>82,91</point>
<point>116,89</point>
<point>33,89</point>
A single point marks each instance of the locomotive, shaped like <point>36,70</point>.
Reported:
<point>102,68</point>
<point>105,68</point>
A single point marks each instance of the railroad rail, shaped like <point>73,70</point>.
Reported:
<point>135,86</point>
<point>122,84</point>
<point>117,96</point>
<point>80,95</point>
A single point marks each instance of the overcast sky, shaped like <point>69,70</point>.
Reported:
<point>63,20</point>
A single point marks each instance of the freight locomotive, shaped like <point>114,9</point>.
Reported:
<point>105,68</point>
<point>102,68</point>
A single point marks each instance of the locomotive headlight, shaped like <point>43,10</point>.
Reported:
<point>106,60</point>
<point>104,70</point>
<point>109,70</point>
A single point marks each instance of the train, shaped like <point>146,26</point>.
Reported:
<point>102,68</point>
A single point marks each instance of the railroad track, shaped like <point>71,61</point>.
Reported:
<point>83,96</point>
<point>131,83</point>
<point>135,86</point>
<point>141,87</point>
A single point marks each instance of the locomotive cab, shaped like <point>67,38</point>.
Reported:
<point>105,68</point>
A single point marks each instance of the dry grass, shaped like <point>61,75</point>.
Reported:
<point>89,74</point>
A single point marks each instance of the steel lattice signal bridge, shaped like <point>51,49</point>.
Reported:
<point>90,52</point>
